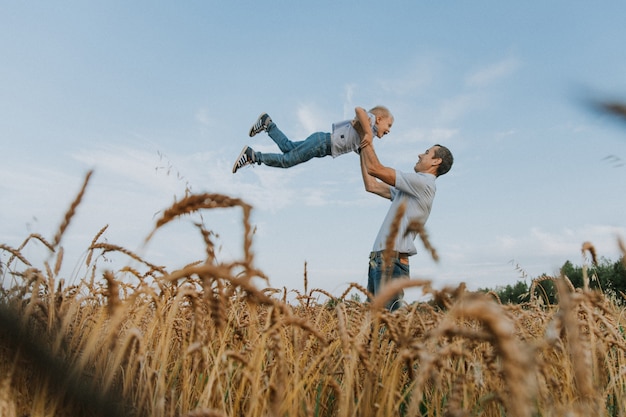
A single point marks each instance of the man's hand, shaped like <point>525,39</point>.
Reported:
<point>372,185</point>
<point>366,140</point>
<point>372,165</point>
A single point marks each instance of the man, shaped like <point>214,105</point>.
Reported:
<point>414,192</point>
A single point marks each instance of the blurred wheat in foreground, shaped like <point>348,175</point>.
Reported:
<point>204,341</point>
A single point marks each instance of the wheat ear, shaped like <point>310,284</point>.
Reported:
<point>417,226</point>
<point>389,246</point>
<point>72,210</point>
<point>392,288</point>
<point>15,253</point>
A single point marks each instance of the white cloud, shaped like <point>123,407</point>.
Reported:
<point>442,134</point>
<point>502,135</point>
<point>567,243</point>
<point>35,199</point>
<point>348,106</point>
<point>313,119</point>
<point>506,259</point>
<point>454,108</point>
<point>137,166</point>
<point>316,197</point>
<point>262,187</point>
<point>418,76</point>
<point>493,72</point>
<point>412,135</point>
<point>273,191</point>
<point>203,116</point>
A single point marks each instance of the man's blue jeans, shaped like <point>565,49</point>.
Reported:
<point>317,145</point>
<point>376,276</point>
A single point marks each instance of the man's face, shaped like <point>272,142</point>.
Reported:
<point>426,160</point>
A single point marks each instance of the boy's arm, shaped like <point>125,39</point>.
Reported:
<point>362,125</point>
<point>370,165</point>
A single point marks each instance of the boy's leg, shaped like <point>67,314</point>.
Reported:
<point>315,146</point>
<point>284,144</point>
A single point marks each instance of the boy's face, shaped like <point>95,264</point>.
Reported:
<point>383,124</point>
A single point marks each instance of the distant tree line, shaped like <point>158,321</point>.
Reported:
<point>606,276</point>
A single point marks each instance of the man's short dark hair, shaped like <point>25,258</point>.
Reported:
<point>446,159</point>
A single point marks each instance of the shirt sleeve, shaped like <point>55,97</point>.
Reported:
<point>394,191</point>
<point>414,183</point>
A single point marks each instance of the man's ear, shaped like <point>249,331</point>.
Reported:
<point>437,161</point>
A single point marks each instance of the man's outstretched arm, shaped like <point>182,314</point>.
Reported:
<point>370,160</point>
<point>372,185</point>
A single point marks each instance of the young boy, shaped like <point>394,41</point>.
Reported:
<point>343,139</point>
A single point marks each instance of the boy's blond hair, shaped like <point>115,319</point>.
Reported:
<point>380,111</point>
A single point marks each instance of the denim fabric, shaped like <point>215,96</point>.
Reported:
<point>316,145</point>
<point>376,277</point>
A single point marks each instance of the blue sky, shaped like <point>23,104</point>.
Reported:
<point>159,96</point>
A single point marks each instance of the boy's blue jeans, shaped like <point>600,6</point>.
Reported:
<point>317,145</point>
<point>376,276</point>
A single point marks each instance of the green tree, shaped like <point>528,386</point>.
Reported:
<point>545,290</point>
<point>606,276</point>
<point>618,277</point>
<point>511,294</point>
<point>573,273</point>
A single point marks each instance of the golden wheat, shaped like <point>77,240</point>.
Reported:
<point>418,227</point>
<point>70,213</point>
<point>205,341</point>
<point>394,229</point>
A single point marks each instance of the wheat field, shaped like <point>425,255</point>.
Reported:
<point>205,341</point>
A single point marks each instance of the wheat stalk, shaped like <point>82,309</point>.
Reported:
<point>516,362</point>
<point>418,227</point>
<point>112,293</point>
<point>392,288</point>
<point>93,242</point>
<point>359,287</point>
<point>15,254</point>
<point>588,247</point>
<point>70,213</point>
<point>389,242</point>
<point>107,247</point>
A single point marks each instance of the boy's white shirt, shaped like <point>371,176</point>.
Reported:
<point>344,138</point>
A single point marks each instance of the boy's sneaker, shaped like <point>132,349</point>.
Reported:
<point>246,157</point>
<point>261,124</point>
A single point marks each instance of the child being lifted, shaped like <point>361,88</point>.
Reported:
<point>345,137</point>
